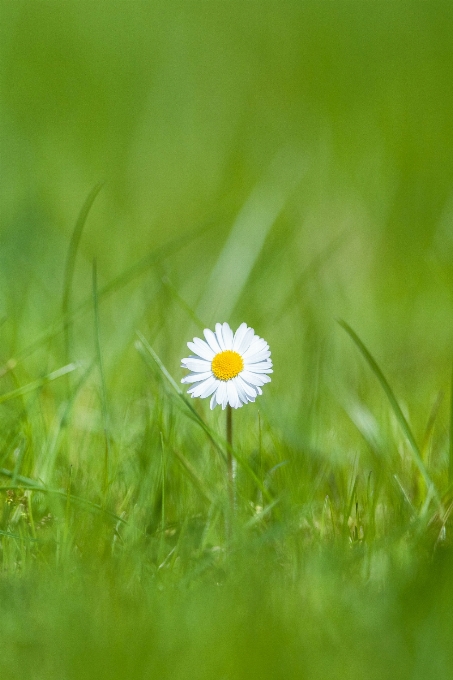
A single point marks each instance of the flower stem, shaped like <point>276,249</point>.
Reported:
<point>230,471</point>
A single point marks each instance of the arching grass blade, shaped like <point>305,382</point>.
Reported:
<point>70,263</point>
<point>396,410</point>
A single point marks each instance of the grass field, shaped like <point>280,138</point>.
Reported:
<point>166,166</point>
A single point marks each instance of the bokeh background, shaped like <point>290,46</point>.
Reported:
<point>286,164</point>
<point>339,115</point>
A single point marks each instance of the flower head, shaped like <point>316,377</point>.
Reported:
<point>230,367</point>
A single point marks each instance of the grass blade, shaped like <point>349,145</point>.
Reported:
<point>247,236</point>
<point>309,272</point>
<point>450,448</point>
<point>70,263</point>
<point>194,415</point>
<point>36,384</point>
<point>148,261</point>
<point>24,483</point>
<point>396,410</point>
<point>193,475</point>
<point>104,406</point>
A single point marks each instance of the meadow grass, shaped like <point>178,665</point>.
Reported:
<point>167,168</point>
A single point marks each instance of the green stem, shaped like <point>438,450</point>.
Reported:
<point>230,471</point>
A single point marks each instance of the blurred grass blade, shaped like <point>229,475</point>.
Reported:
<point>70,263</point>
<point>20,453</point>
<point>182,303</point>
<point>144,345</point>
<point>247,237</point>
<point>100,363</point>
<point>261,515</point>
<point>148,261</point>
<point>450,448</point>
<point>405,494</point>
<point>24,483</point>
<point>310,270</point>
<point>350,503</point>
<point>36,384</point>
<point>396,410</point>
<point>427,436</point>
<point>45,471</point>
<point>194,476</point>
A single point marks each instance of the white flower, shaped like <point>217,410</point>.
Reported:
<point>231,368</point>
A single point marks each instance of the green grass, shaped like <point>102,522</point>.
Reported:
<point>169,165</point>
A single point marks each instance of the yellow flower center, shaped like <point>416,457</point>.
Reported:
<point>227,365</point>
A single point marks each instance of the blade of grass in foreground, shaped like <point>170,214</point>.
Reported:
<point>432,491</point>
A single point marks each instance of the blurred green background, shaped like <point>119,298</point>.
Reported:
<point>280,163</point>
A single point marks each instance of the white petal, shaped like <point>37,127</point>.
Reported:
<point>196,365</point>
<point>202,349</point>
<point>211,340</point>
<point>262,367</point>
<point>196,390</point>
<point>246,340</point>
<point>258,362</point>
<point>220,392</point>
<point>232,394</point>
<point>257,345</point>
<point>249,391</point>
<point>260,391</point>
<point>240,390</point>
<point>258,356</point>
<point>196,377</point>
<point>213,402</point>
<point>241,331</point>
<point>205,389</point>
<point>227,335</point>
<point>219,336</point>
<point>254,378</point>
<point>209,389</point>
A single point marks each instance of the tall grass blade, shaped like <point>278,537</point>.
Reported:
<point>247,237</point>
<point>70,264</point>
<point>396,410</point>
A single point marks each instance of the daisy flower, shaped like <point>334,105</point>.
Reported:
<point>230,367</point>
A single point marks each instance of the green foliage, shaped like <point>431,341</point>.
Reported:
<point>169,165</point>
